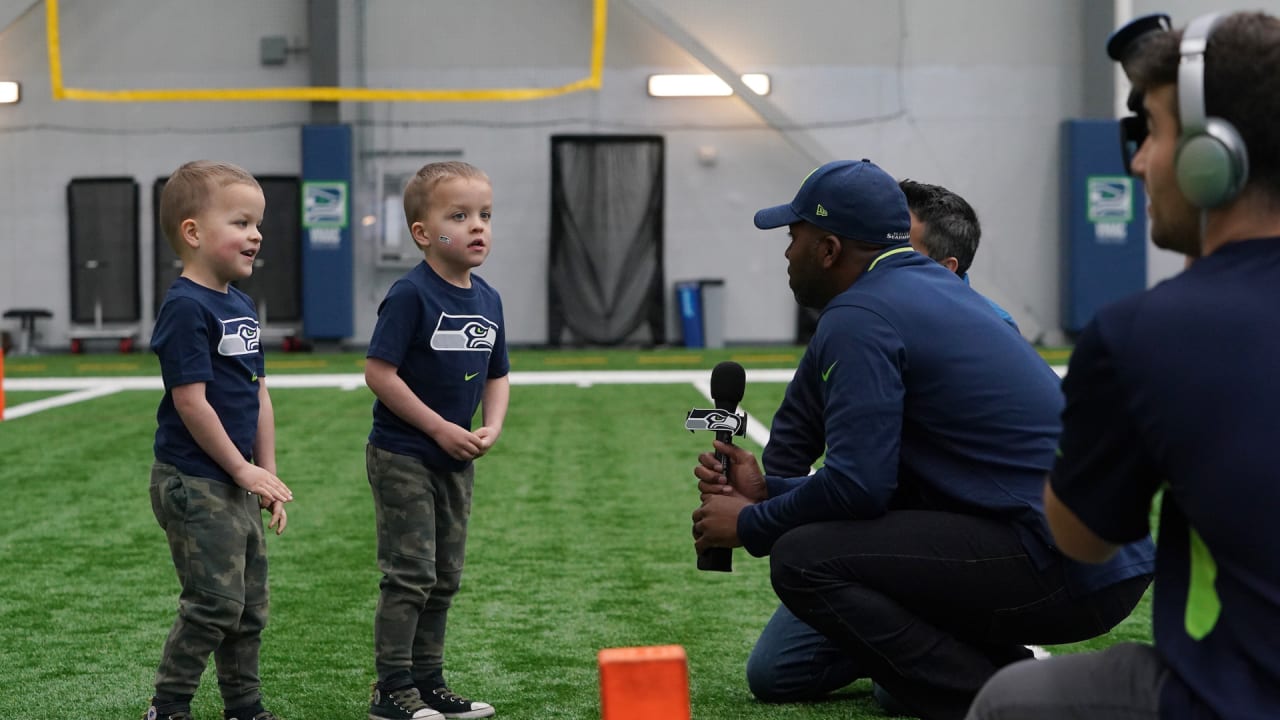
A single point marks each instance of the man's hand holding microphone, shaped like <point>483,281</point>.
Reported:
<point>729,478</point>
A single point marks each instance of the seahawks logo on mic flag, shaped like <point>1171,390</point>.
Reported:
<point>716,419</point>
<point>239,337</point>
<point>465,333</point>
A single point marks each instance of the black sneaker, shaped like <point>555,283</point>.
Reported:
<point>888,703</point>
<point>452,705</point>
<point>153,714</point>
<point>254,713</point>
<point>403,703</point>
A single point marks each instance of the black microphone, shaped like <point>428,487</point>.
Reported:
<point>728,384</point>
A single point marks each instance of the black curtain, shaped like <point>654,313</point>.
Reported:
<point>605,279</point>
<point>102,219</point>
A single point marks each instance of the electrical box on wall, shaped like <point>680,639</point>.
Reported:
<point>396,248</point>
<point>273,50</point>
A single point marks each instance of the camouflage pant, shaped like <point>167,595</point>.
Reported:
<point>216,540</point>
<point>422,535</point>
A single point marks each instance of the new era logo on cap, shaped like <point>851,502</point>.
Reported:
<point>850,199</point>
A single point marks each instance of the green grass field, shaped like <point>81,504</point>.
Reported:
<point>579,541</point>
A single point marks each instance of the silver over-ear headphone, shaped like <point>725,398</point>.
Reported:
<point>1212,163</point>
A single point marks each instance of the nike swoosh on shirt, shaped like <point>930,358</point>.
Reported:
<point>827,373</point>
<point>468,376</point>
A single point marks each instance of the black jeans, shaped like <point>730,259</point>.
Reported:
<point>930,605</point>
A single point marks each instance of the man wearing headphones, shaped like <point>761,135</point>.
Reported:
<point>1176,388</point>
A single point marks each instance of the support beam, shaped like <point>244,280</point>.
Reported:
<point>12,11</point>
<point>322,53</point>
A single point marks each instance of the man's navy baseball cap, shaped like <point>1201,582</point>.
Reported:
<point>852,200</point>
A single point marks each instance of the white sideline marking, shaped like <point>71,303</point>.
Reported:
<point>72,398</point>
<point>80,389</point>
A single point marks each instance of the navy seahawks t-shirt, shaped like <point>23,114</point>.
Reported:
<point>205,336</point>
<point>1177,388</point>
<point>445,342</point>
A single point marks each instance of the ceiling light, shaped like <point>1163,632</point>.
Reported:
<point>703,85</point>
<point>10,92</point>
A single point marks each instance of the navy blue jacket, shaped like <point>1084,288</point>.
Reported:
<point>916,389</point>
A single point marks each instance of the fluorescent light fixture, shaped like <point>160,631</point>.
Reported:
<point>10,92</point>
<point>703,85</point>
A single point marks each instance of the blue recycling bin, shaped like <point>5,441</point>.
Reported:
<point>701,304</point>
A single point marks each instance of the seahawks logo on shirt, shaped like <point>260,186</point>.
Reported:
<point>239,337</point>
<point>464,332</point>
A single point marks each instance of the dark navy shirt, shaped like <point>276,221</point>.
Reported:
<point>915,388</point>
<point>1179,388</point>
<point>210,337</point>
<point>445,342</point>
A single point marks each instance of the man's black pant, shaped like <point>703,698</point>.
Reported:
<point>930,604</point>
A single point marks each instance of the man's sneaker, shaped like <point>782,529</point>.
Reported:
<point>153,714</point>
<point>452,705</point>
<point>401,704</point>
<point>888,703</point>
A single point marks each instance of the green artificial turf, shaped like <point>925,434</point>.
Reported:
<point>673,358</point>
<point>579,541</point>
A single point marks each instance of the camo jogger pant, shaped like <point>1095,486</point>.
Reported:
<point>216,540</point>
<point>421,517</point>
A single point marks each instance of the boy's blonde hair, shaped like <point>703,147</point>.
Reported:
<point>417,192</point>
<point>187,191</point>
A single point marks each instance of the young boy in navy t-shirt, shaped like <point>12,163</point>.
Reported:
<point>438,352</point>
<point>215,440</point>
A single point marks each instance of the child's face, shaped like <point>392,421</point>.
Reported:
<point>224,238</point>
<point>456,226</point>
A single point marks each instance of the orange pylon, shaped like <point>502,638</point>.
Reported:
<point>643,683</point>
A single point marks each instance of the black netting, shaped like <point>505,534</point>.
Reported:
<point>102,218</point>
<point>605,279</point>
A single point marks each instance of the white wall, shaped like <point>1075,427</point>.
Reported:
<point>969,95</point>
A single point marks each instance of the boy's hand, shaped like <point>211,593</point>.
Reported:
<point>279,518</point>
<point>262,483</point>
<point>488,437</point>
<point>459,443</point>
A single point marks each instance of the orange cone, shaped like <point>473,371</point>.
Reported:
<point>643,683</point>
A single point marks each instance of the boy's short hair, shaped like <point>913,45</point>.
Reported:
<point>951,225</point>
<point>417,192</point>
<point>1241,83</point>
<point>187,191</point>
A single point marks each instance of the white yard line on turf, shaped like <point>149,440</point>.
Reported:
<point>87,388</point>
<point>71,398</point>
